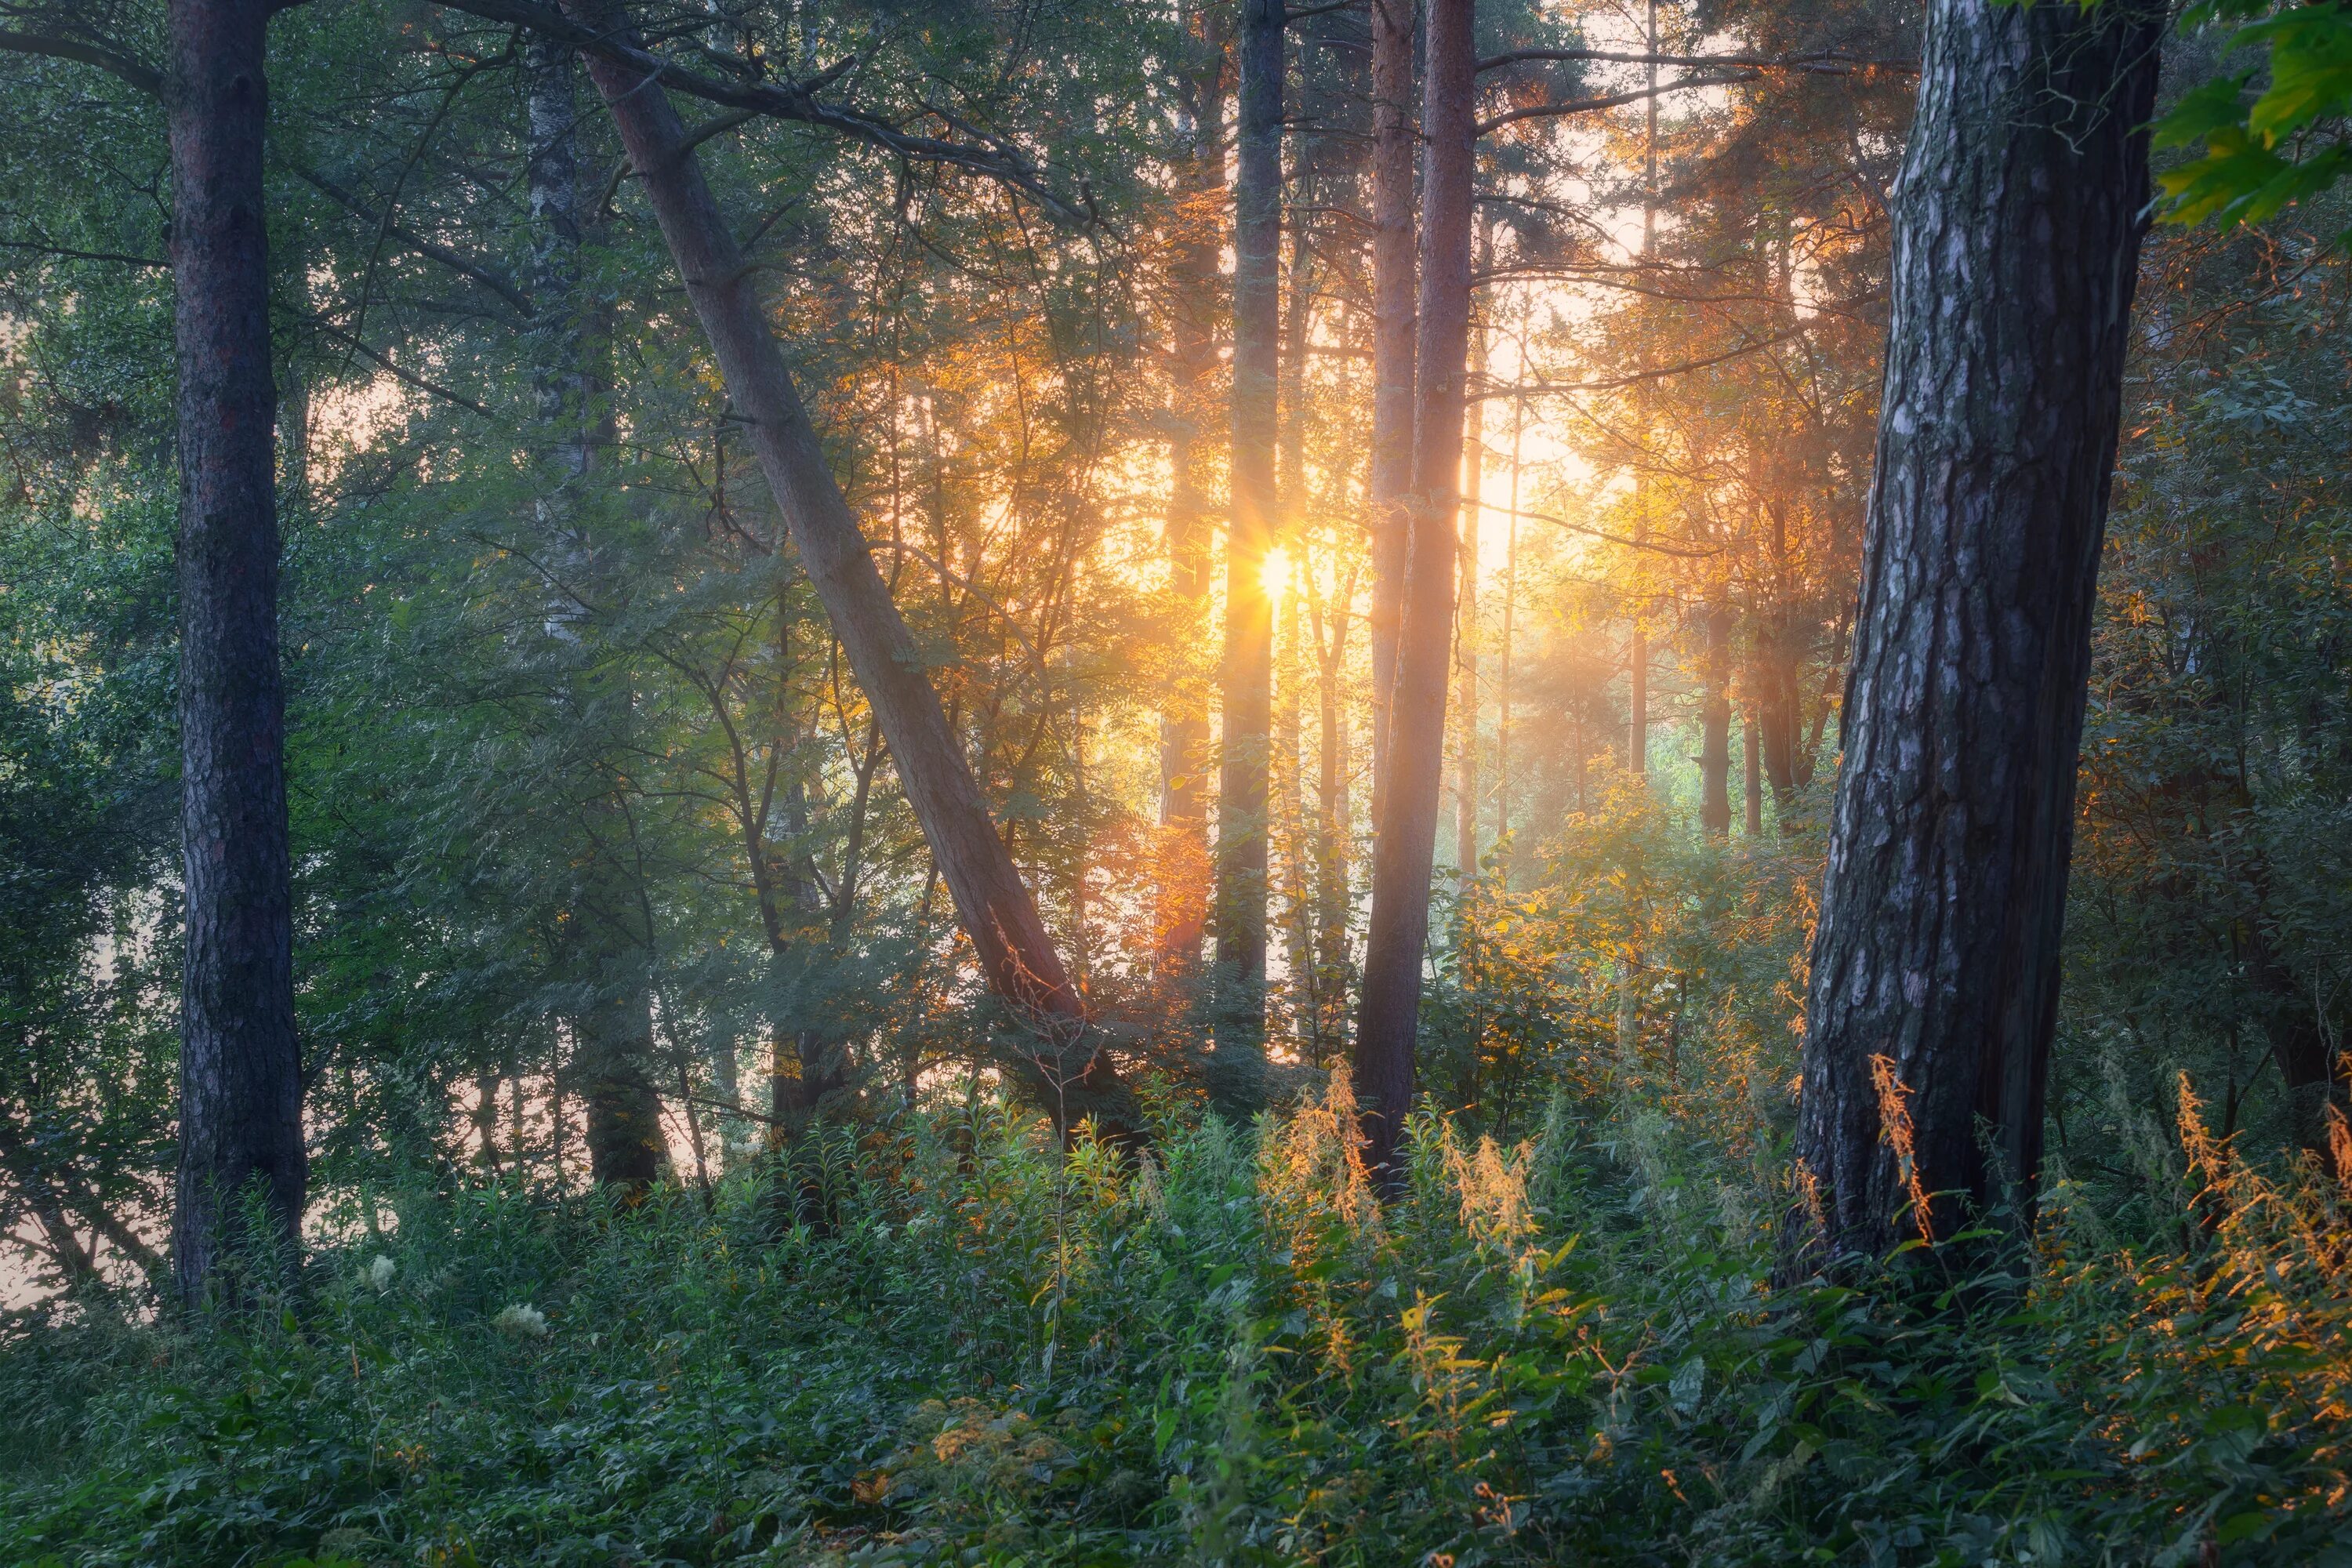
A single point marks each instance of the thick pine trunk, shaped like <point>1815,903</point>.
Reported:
<point>1406,831</point>
<point>240,1067</point>
<point>1050,1050</point>
<point>1393,137</point>
<point>1237,1070</point>
<point>1935,965</point>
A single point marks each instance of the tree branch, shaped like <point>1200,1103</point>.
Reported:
<point>1824,62</point>
<point>145,78</point>
<point>790,100</point>
<point>432,251</point>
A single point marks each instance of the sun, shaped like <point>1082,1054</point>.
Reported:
<point>1274,573</point>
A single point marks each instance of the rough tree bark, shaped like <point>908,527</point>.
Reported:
<point>240,1066</point>
<point>1238,1068</point>
<point>1935,965</point>
<point>1052,1052</point>
<point>1393,137</point>
<point>1405,829</point>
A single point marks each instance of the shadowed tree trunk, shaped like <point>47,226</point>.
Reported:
<point>1393,128</point>
<point>1197,288</point>
<point>1050,1049</point>
<point>1715,725</point>
<point>1935,965</point>
<point>1405,829</point>
<point>614,1032</point>
<point>1237,1070</point>
<point>240,1067</point>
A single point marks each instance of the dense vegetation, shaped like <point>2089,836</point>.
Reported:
<point>684,1173</point>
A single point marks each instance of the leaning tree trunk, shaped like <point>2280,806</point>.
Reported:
<point>1406,831</point>
<point>1935,967</point>
<point>1392,348</point>
<point>1052,1052</point>
<point>1238,1068</point>
<point>240,1067</point>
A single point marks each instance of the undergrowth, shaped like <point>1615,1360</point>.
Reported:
<point>1565,1352</point>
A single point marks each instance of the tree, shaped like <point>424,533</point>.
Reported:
<point>240,1066</point>
<point>1246,745</point>
<point>1405,830</point>
<point>1934,982</point>
<point>1055,1055</point>
<point>1393,135</point>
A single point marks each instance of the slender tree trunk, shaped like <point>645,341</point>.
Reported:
<point>1750,765</point>
<point>1238,1068</point>
<point>1510,630</point>
<point>1405,833</point>
<point>623,1135</point>
<point>1333,895</point>
<point>1715,725</point>
<point>1196,297</point>
<point>1465,619</point>
<point>1935,965</point>
<point>1053,1054</point>
<point>240,1065</point>
<point>1393,137</point>
<point>1637,637</point>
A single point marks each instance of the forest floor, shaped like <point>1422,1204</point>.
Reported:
<point>1567,1352</point>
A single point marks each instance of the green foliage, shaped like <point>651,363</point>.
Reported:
<point>2273,135</point>
<point>1568,1349</point>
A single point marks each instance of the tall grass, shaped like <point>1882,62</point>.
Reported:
<point>1563,1351</point>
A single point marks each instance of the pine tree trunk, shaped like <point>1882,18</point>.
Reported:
<point>1936,964</point>
<point>240,1065</point>
<point>1052,1052</point>
<point>1237,1070</point>
<point>1715,725</point>
<point>1465,627</point>
<point>1393,137</point>
<point>1751,768</point>
<point>1405,830</point>
<point>624,1133</point>
<point>1195,289</point>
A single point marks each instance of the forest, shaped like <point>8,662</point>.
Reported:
<point>1233,781</point>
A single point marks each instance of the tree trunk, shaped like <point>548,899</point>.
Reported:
<point>1393,137</point>
<point>1935,967</point>
<point>612,1059</point>
<point>624,1133</point>
<point>1406,828</point>
<point>1195,288</point>
<point>1753,780</point>
<point>1053,1053</point>
<point>1715,725</point>
<point>1238,1066</point>
<point>240,1065</point>
<point>1465,627</point>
